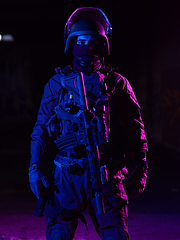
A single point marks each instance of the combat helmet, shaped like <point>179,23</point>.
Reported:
<point>87,21</point>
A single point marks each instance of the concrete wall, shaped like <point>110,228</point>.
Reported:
<point>15,81</point>
<point>24,70</point>
<point>165,80</point>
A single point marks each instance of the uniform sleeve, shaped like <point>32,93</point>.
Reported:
<point>129,116</point>
<point>39,137</point>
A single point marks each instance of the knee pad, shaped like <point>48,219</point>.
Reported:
<point>57,235</point>
<point>113,234</point>
<point>112,238</point>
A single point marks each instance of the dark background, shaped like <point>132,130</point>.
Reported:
<point>145,48</point>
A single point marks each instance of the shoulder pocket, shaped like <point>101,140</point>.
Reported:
<point>47,90</point>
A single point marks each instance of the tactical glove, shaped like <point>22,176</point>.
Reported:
<point>37,180</point>
<point>139,177</point>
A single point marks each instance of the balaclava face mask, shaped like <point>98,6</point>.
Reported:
<point>87,58</point>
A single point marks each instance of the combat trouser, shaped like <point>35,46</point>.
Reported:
<point>74,192</point>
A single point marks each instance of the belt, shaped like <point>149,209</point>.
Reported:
<point>67,163</point>
<point>63,166</point>
<point>73,167</point>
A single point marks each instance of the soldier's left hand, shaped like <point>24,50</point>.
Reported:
<point>37,180</point>
<point>139,177</point>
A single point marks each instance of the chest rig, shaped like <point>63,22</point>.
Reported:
<point>69,110</point>
<point>83,112</point>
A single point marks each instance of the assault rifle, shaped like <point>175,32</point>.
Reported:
<point>91,132</point>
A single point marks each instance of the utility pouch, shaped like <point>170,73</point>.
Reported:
<point>45,196</point>
<point>50,207</point>
<point>41,202</point>
<point>47,205</point>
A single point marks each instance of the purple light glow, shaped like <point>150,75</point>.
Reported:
<point>18,222</point>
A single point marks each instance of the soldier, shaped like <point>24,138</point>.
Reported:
<point>111,99</point>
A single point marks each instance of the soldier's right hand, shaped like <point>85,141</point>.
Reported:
<point>139,177</point>
<point>37,179</point>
